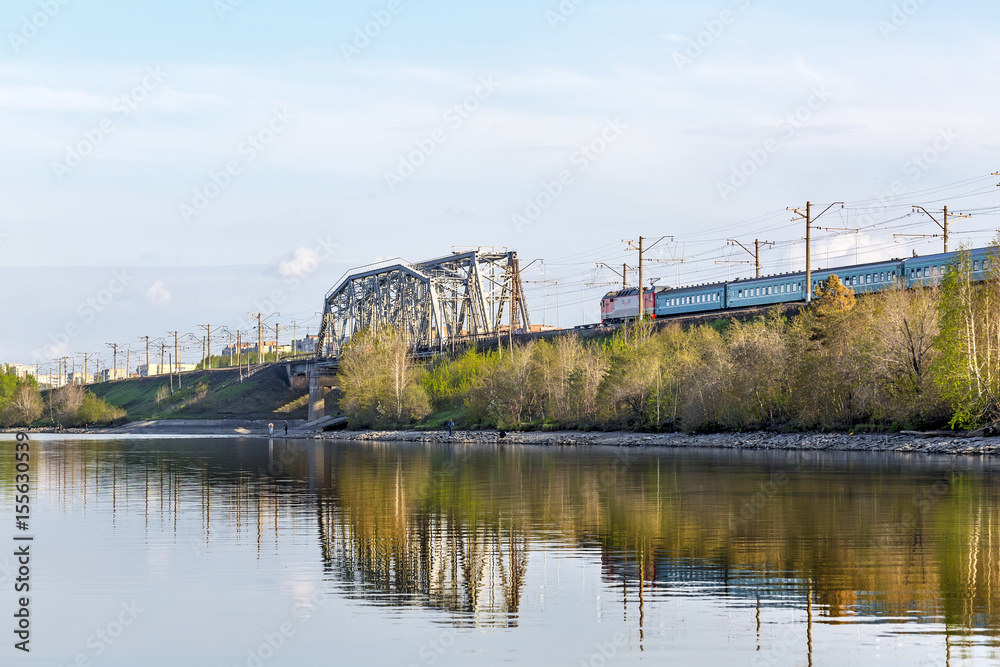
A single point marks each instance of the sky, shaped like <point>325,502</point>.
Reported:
<point>171,165</point>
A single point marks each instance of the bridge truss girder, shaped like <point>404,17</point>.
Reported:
<point>458,297</point>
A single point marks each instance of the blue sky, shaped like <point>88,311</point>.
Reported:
<point>780,103</point>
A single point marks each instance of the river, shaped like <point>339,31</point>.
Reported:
<point>252,552</point>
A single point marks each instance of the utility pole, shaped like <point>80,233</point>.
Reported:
<point>114,360</point>
<point>260,340</point>
<point>175,362</point>
<point>643,249</point>
<point>947,219</point>
<point>806,214</point>
<point>295,336</point>
<point>163,349</point>
<point>149,371</point>
<point>239,348</point>
<point>86,357</point>
<point>208,339</point>
<point>277,345</point>
<point>623,275</point>
<point>757,243</point>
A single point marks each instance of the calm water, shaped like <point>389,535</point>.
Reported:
<point>253,552</point>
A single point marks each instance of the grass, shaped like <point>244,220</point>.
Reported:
<point>207,395</point>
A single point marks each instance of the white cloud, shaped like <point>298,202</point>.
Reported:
<point>302,263</point>
<point>158,295</point>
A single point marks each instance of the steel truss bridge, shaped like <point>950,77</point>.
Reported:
<point>461,297</point>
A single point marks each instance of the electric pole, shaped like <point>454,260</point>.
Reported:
<point>642,248</point>
<point>947,219</point>
<point>114,360</point>
<point>148,370</point>
<point>175,361</point>
<point>86,357</point>
<point>260,339</point>
<point>623,275</point>
<point>757,243</point>
<point>208,339</point>
<point>806,214</point>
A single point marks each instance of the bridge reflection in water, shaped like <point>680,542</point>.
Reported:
<point>837,538</point>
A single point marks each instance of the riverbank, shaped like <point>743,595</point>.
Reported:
<point>894,442</point>
<point>968,444</point>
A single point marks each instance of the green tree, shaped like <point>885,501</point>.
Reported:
<point>380,381</point>
<point>967,369</point>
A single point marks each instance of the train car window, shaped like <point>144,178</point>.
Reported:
<point>975,265</point>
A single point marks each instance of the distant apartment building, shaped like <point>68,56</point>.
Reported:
<point>21,371</point>
<point>164,369</point>
<point>111,374</point>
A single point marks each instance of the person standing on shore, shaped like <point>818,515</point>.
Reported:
<point>270,428</point>
<point>451,427</point>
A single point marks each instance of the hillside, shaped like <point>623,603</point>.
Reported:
<point>216,394</point>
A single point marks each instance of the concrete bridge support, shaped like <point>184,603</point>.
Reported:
<point>318,383</point>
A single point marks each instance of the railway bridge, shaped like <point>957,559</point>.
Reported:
<point>473,294</point>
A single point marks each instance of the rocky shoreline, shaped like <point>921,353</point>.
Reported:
<point>968,444</point>
<point>959,444</point>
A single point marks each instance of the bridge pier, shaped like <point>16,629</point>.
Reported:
<point>318,383</point>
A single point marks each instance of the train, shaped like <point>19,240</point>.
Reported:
<point>623,305</point>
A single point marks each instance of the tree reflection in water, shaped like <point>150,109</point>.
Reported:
<point>844,536</point>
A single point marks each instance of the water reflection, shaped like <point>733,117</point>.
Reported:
<point>835,539</point>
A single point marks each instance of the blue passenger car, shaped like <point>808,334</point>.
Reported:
<point>696,299</point>
<point>767,290</point>
<point>930,269</point>
<point>791,287</point>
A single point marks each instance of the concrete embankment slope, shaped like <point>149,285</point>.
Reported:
<point>928,444</point>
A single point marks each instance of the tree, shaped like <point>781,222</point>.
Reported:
<point>379,380</point>
<point>967,371</point>
<point>25,407</point>
<point>633,365</point>
<point>66,401</point>
<point>832,297</point>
